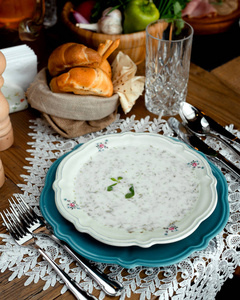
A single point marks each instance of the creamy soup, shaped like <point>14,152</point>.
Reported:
<point>136,188</point>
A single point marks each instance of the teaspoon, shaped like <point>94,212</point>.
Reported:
<point>195,120</point>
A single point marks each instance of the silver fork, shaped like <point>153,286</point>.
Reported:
<point>36,225</point>
<point>24,238</point>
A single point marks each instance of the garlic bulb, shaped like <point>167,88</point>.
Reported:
<point>111,21</point>
<point>111,12</point>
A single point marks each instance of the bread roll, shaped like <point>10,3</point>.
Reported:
<point>106,67</point>
<point>106,49</point>
<point>71,55</point>
<point>83,81</point>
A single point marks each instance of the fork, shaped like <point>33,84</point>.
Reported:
<point>24,238</point>
<point>36,225</point>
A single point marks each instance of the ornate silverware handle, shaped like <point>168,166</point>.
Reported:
<point>230,166</point>
<point>73,286</point>
<point>220,130</point>
<point>229,137</point>
<point>108,285</point>
<point>226,142</point>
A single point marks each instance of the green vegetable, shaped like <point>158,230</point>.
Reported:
<point>138,14</point>
<point>171,9</point>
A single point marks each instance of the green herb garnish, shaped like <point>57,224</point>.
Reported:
<point>131,194</point>
<point>118,180</point>
<point>110,187</point>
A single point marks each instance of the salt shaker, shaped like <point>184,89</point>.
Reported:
<point>6,131</point>
<point>2,176</point>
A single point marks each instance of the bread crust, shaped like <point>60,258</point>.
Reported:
<point>106,67</point>
<point>71,55</point>
<point>83,81</point>
<point>81,70</point>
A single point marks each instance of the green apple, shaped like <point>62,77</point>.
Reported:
<point>138,14</point>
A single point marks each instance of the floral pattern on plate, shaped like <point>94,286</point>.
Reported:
<point>71,204</point>
<point>195,164</point>
<point>130,186</point>
<point>102,146</point>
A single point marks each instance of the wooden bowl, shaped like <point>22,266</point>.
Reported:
<point>132,44</point>
<point>213,25</point>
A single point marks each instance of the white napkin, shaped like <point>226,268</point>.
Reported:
<point>128,86</point>
<point>20,71</point>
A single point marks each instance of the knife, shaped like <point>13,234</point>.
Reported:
<point>195,142</point>
<point>219,129</point>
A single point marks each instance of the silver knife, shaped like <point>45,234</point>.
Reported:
<point>219,129</point>
<point>195,142</point>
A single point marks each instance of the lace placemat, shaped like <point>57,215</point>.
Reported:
<point>200,276</point>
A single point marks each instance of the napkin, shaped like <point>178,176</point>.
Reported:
<point>128,86</point>
<point>68,114</point>
<point>21,68</point>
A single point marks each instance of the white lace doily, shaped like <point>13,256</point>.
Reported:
<point>200,276</point>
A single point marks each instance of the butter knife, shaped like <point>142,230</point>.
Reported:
<point>195,142</point>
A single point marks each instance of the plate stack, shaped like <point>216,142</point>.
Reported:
<point>135,199</point>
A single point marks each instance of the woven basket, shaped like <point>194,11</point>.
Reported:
<point>132,44</point>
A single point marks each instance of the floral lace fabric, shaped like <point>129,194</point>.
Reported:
<point>200,276</point>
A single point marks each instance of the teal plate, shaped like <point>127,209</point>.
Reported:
<point>128,257</point>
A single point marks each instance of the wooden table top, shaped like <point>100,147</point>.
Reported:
<point>205,91</point>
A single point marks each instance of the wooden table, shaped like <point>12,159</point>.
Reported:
<point>205,91</point>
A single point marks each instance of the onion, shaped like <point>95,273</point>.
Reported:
<point>79,18</point>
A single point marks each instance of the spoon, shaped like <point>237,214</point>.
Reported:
<point>195,120</point>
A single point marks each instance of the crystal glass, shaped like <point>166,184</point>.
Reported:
<point>168,52</point>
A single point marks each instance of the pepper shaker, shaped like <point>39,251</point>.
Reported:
<point>6,131</point>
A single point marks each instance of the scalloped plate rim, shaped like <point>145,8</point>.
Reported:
<point>82,247</point>
<point>147,239</point>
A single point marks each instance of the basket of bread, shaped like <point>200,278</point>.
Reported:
<point>79,91</point>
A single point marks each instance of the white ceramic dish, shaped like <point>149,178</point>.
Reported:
<point>135,189</point>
